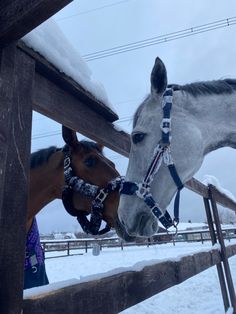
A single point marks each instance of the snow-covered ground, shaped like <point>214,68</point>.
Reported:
<point>198,295</point>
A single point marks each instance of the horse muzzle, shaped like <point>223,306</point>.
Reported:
<point>144,224</point>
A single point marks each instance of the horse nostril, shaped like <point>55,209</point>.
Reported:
<point>143,221</point>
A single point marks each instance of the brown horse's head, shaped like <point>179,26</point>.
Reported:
<point>90,165</point>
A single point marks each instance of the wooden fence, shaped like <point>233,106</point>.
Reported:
<point>115,293</point>
<point>29,82</point>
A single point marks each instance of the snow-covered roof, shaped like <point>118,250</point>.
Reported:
<point>48,40</point>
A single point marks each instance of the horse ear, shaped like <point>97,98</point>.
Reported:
<point>158,78</point>
<point>69,136</point>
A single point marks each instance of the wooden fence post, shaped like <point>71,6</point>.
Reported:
<point>218,265</point>
<point>16,79</point>
<point>222,249</point>
<point>201,237</point>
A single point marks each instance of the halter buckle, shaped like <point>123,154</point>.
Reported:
<point>101,196</point>
<point>167,96</point>
<point>143,190</point>
<point>167,158</point>
<point>167,99</point>
<point>166,125</point>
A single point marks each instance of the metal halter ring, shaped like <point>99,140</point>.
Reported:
<point>143,190</point>
<point>166,125</point>
<point>66,162</point>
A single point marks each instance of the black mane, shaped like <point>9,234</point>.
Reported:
<point>41,156</point>
<point>227,86</point>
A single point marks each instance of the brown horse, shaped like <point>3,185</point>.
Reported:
<point>47,176</point>
<point>47,180</point>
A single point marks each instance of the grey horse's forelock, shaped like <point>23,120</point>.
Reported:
<point>139,110</point>
<point>137,114</point>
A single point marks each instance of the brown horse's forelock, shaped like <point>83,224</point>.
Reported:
<point>88,146</point>
<point>42,156</point>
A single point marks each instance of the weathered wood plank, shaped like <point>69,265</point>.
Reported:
<point>19,17</point>
<point>118,292</point>
<point>58,104</point>
<point>197,187</point>
<point>16,77</point>
<point>46,69</point>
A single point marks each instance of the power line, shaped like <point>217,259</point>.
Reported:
<point>58,132</point>
<point>92,10</point>
<point>123,119</point>
<point>46,134</point>
<point>144,43</point>
<point>55,133</point>
<point>160,39</point>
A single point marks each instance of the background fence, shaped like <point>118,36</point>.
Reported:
<point>69,247</point>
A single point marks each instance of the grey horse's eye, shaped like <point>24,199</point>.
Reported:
<point>138,137</point>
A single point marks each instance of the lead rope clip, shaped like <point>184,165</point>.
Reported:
<point>175,225</point>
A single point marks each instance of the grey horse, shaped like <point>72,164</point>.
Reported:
<point>203,119</point>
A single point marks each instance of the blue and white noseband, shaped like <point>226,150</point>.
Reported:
<point>162,152</point>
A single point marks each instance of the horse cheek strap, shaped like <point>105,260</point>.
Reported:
<point>180,186</point>
<point>73,183</point>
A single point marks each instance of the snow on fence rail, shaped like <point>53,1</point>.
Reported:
<point>112,293</point>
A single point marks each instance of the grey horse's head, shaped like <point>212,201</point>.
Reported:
<point>186,148</point>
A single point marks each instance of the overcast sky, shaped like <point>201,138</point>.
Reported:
<point>93,25</point>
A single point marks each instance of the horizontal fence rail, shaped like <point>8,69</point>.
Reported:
<point>203,190</point>
<point>115,293</point>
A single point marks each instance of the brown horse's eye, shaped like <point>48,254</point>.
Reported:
<point>90,162</point>
<point>138,137</point>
